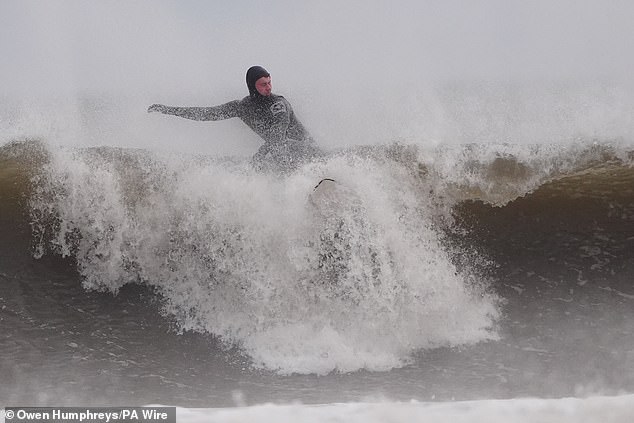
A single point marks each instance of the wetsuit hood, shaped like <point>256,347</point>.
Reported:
<point>253,74</point>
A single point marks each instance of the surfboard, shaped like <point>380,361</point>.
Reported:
<point>332,199</point>
<point>326,195</point>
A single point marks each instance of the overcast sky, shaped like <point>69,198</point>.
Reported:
<point>355,71</point>
<point>130,45</point>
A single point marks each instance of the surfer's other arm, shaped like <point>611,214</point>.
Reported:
<point>224,111</point>
<point>296,130</point>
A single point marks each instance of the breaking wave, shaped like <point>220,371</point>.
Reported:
<point>302,280</point>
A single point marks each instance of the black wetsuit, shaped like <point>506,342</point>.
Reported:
<point>286,142</point>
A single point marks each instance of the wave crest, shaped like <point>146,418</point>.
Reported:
<point>248,258</point>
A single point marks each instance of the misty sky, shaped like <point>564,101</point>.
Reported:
<point>355,71</point>
<point>138,45</point>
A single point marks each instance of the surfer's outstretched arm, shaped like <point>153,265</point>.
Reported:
<point>224,111</point>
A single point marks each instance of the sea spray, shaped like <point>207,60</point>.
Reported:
<point>246,257</point>
<point>500,173</point>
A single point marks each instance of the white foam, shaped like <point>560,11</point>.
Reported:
<point>567,410</point>
<point>244,256</point>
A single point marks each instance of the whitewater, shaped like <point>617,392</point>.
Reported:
<point>471,261</point>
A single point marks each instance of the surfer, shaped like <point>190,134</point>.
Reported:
<point>287,143</point>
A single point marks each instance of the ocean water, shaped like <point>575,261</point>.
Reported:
<point>429,274</point>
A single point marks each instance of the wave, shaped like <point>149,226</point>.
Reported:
<point>302,287</point>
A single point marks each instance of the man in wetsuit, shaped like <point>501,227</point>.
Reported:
<point>287,144</point>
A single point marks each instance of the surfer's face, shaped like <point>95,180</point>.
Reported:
<point>263,85</point>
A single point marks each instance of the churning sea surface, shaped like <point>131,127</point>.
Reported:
<point>442,282</point>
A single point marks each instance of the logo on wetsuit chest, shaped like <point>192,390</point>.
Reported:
<point>278,107</point>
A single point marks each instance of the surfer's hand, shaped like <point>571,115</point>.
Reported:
<point>157,108</point>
